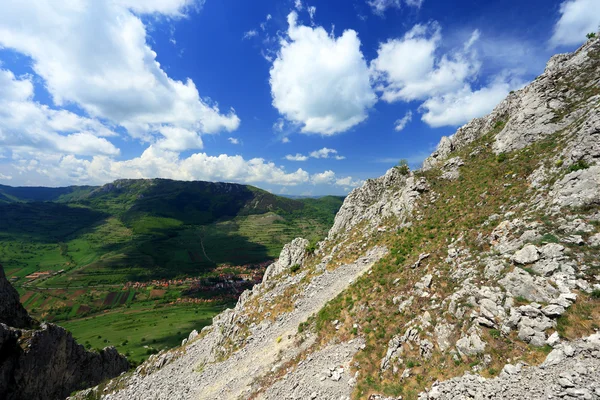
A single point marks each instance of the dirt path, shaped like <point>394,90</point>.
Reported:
<point>232,378</point>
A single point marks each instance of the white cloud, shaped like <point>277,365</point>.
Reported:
<point>233,140</point>
<point>27,126</point>
<point>463,105</point>
<point>297,157</point>
<point>312,10</point>
<point>326,153</point>
<point>172,8</point>
<point>158,163</point>
<point>408,69</point>
<point>298,5</point>
<point>379,7</point>
<point>327,177</point>
<point>319,81</point>
<point>577,18</point>
<point>322,153</point>
<point>285,139</point>
<point>95,55</point>
<point>179,139</point>
<point>401,123</point>
<point>250,34</point>
<point>5,177</point>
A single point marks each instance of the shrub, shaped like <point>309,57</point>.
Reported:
<point>579,165</point>
<point>403,167</point>
<point>295,268</point>
<point>501,157</point>
<point>596,294</point>
<point>591,35</point>
<point>495,333</point>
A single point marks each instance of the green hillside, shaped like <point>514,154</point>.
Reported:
<point>89,241</point>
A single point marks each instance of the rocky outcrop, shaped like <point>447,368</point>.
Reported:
<point>392,195</point>
<point>293,253</point>
<point>570,372</point>
<point>46,363</point>
<point>541,108</point>
<point>12,313</point>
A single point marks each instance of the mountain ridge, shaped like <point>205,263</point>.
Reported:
<point>487,264</point>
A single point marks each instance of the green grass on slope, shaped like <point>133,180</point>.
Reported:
<point>142,329</point>
<point>486,183</point>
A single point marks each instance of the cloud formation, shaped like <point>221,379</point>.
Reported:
<point>379,7</point>
<point>411,68</point>
<point>108,69</point>
<point>28,127</point>
<point>401,123</point>
<point>577,18</point>
<point>320,81</point>
<point>322,153</point>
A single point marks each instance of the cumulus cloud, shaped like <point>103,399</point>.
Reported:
<point>233,140</point>
<point>411,68</point>
<point>326,153</point>
<point>319,81</point>
<point>460,106</point>
<point>322,153</point>
<point>408,68</point>
<point>329,178</point>
<point>401,123</point>
<point>107,68</point>
<point>297,157</point>
<point>155,162</point>
<point>379,7</point>
<point>577,18</point>
<point>27,126</point>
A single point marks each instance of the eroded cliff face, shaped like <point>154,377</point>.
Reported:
<point>46,362</point>
<point>483,262</point>
<point>12,313</point>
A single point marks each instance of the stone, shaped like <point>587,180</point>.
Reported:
<point>443,332</point>
<point>470,344</point>
<point>553,339</point>
<point>527,255</point>
<point>553,311</point>
<point>520,283</point>
<point>594,240</point>
<point>552,250</point>
<point>293,253</point>
<point>193,335</point>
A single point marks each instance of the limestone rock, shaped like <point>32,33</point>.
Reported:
<point>293,253</point>
<point>527,255</point>
<point>470,344</point>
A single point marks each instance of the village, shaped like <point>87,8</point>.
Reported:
<point>223,277</point>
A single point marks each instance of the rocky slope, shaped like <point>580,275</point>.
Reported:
<point>12,313</point>
<point>45,363</point>
<point>484,261</point>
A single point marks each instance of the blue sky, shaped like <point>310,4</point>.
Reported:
<point>296,96</point>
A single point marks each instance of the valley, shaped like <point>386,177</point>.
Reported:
<point>103,261</point>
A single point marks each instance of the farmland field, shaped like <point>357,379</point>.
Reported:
<point>105,261</point>
<point>142,329</point>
